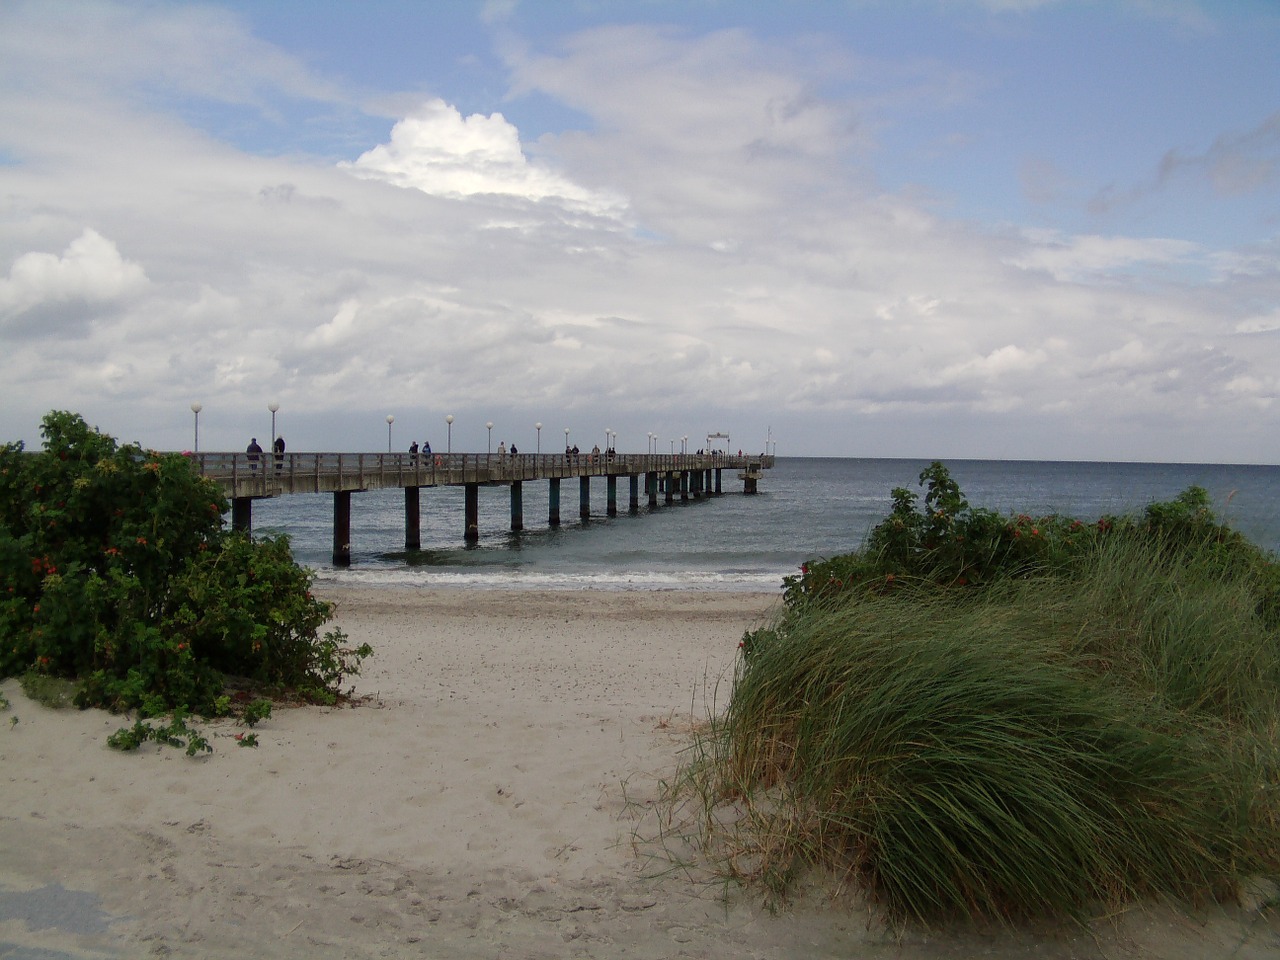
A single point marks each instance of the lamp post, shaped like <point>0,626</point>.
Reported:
<point>538,427</point>
<point>391,418</point>
<point>673,447</point>
<point>196,408</point>
<point>684,445</point>
<point>449,443</point>
<point>489,426</point>
<point>648,448</point>
<point>566,439</point>
<point>273,407</point>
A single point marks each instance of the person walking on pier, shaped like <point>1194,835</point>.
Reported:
<point>502,449</point>
<point>278,447</point>
<point>413,454</point>
<point>254,451</point>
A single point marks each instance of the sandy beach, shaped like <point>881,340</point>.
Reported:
<point>479,799</point>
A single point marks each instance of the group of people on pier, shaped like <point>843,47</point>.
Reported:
<point>254,451</point>
<point>572,454</point>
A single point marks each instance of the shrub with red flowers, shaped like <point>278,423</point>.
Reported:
<point>118,572</point>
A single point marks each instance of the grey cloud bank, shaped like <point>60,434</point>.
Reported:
<point>713,248</point>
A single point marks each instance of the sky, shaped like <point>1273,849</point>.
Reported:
<point>940,229</point>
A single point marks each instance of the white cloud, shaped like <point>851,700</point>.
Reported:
<point>89,271</point>
<point>1132,354</point>
<point>440,152</point>
<point>1007,360</point>
<point>1071,259</point>
<point>338,330</point>
<point>1260,323</point>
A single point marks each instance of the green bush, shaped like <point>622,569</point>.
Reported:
<point>118,571</point>
<point>949,543</point>
<point>971,724</point>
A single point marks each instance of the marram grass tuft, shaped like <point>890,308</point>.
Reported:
<point>1047,745</point>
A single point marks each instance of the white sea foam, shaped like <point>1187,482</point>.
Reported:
<point>507,579</point>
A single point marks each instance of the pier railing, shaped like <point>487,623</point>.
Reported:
<point>268,475</point>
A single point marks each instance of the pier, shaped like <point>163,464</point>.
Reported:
<point>245,477</point>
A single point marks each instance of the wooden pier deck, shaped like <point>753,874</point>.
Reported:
<point>246,477</point>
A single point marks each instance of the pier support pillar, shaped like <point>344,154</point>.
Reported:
<point>633,502</point>
<point>684,484</point>
<point>668,488</point>
<point>412,519</point>
<point>611,496</point>
<point>718,490</point>
<point>517,506</point>
<point>584,497</point>
<point>553,503</point>
<point>651,487</point>
<point>471,501</point>
<point>242,515</point>
<point>342,528</point>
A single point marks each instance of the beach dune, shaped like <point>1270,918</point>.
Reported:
<point>478,799</point>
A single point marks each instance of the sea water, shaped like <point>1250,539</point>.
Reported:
<point>805,508</point>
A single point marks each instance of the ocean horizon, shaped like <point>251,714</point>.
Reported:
<point>806,508</point>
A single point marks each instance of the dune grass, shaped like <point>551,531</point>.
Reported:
<point>1062,740</point>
